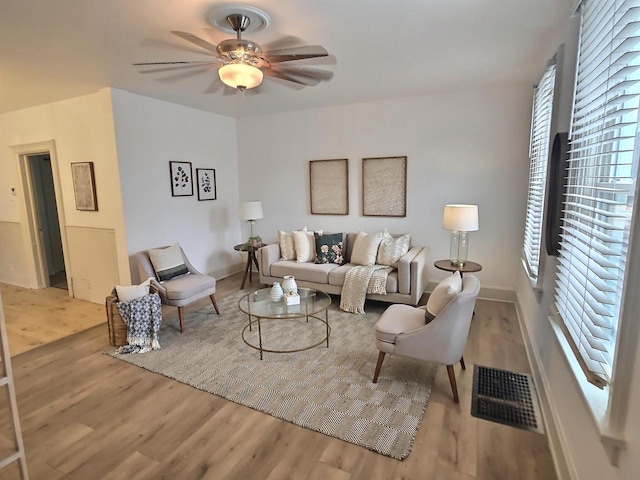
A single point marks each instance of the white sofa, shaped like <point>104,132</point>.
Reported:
<point>406,284</point>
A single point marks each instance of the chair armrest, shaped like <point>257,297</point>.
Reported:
<point>413,272</point>
<point>267,255</point>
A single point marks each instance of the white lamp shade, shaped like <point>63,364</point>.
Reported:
<point>250,210</point>
<point>240,76</point>
<point>460,218</point>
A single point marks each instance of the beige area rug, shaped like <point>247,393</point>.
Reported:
<point>328,390</point>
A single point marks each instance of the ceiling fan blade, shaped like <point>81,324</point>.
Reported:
<point>189,37</point>
<point>287,41</point>
<point>284,75</point>
<point>182,75</point>
<point>173,67</point>
<point>306,72</point>
<point>295,53</point>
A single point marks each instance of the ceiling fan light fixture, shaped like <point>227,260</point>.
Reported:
<point>240,76</point>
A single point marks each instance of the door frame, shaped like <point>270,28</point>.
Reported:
<point>30,228</point>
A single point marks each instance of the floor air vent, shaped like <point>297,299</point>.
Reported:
<point>505,397</point>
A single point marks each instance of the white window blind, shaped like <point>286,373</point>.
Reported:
<point>600,182</point>
<point>538,160</point>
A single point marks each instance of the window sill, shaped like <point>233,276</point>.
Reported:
<point>596,400</point>
<point>534,282</point>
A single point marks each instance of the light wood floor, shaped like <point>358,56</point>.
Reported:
<point>86,415</point>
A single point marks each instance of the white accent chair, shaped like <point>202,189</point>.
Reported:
<point>401,330</point>
<point>179,291</point>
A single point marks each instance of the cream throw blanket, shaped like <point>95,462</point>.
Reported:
<point>360,281</point>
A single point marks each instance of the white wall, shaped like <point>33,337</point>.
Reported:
<point>82,129</point>
<point>576,437</point>
<point>149,134</point>
<point>462,147</point>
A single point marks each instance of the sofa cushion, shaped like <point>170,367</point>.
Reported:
<point>444,292</point>
<point>398,319</point>
<point>308,272</point>
<point>365,248</point>
<point>329,248</point>
<point>392,249</point>
<point>287,246</point>
<point>336,277</point>
<point>305,245</point>
<point>186,286</point>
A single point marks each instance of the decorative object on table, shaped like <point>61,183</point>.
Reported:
<point>384,187</point>
<point>84,186</point>
<point>206,178</point>
<point>276,292</point>
<point>292,298</point>
<point>460,219</point>
<point>329,186</point>
<point>220,363</point>
<point>251,211</point>
<point>289,284</point>
<point>181,179</point>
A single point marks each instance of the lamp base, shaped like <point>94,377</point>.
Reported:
<point>459,248</point>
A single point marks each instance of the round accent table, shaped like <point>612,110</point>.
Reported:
<point>468,267</point>
<point>251,259</point>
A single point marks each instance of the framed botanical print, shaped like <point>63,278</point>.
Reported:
<point>206,178</point>
<point>181,179</point>
<point>84,186</point>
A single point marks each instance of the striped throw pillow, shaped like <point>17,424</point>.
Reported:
<point>168,262</point>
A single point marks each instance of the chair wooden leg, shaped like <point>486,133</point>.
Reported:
<point>181,315</point>
<point>464,367</point>
<point>215,304</point>
<point>452,380</point>
<point>378,367</point>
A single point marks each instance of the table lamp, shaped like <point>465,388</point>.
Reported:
<point>460,219</point>
<point>251,211</point>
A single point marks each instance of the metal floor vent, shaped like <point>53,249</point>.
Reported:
<point>505,397</point>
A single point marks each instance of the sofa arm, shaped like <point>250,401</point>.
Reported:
<point>267,255</point>
<point>413,273</point>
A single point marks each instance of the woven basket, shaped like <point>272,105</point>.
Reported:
<point>115,323</point>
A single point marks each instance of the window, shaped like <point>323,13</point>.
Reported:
<point>600,183</point>
<point>538,155</point>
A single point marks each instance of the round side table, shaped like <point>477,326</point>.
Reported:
<point>251,259</point>
<point>468,267</point>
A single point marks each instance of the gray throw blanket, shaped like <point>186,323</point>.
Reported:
<point>362,280</point>
<point>143,317</point>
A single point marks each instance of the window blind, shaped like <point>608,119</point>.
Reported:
<point>538,161</point>
<point>600,181</point>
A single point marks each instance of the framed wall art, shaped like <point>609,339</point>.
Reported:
<point>84,186</point>
<point>206,178</point>
<point>181,179</point>
<point>329,186</point>
<point>384,187</point>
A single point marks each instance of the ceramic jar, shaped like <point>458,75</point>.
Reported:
<point>289,284</point>
<point>276,292</point>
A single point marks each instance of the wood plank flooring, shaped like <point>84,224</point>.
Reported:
<point>86,415</point>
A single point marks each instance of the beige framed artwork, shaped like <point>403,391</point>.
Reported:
<point>384,187</point>
<point>84,186</point>
<point>329,186</point>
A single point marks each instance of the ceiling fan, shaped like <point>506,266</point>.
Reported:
<point>243,64</point>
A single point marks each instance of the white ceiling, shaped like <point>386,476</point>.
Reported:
<point>51,50</point>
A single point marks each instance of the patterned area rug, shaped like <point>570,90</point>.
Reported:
<point>328,390</point>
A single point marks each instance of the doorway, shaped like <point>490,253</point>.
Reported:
<point>46,216</point>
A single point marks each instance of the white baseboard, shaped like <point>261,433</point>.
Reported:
<point>14,279</point>
<point>555,433</point>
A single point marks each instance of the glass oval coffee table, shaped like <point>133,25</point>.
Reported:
<point>260,309</point>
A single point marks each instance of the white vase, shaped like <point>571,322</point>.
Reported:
<point>289,284</point>
<point>276,292</point>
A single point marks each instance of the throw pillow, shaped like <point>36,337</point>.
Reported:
<point>305,245</point>
<point>365,248</point>
<point>168,262</point>
<point>443,293</point>
<point>329,248</point>
<point>392,249</point>
<point>127,293</point>
<point>287,246</point>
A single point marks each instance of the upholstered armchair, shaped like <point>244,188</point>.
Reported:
<point>402,330</point>
<point>186,287</point>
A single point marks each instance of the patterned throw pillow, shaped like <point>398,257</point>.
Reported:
<point>287,246</point>
<point>329,248</point>
<point>168,262</point>
<point>392,249</point>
